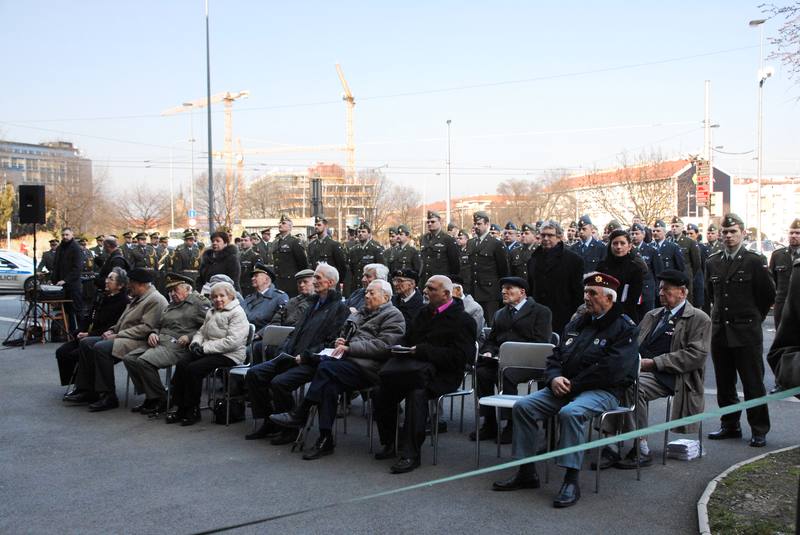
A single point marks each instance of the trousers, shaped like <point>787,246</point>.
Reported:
<point>416,414</point>
<point>189,374</point>
<point>67,357</point>
<point>748,363</point>
<point>143,367</point>
<point>96,365</point>
<point>270,385</point>
<point>334,377</point>
<point>486,372</point>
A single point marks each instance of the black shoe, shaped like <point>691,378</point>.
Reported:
<point>387,452</point>
<point>569,495</point>
<point>758,441</point>
<point>154,407</point>
<point>286,436</point>
<point>71,392</point>
<point>106,402</point>
<point>608,458</point>
<point>323,446</point>
<point>724,432</point>
<point>485,433</point>
<point>629,462</point>
<point>138,408</point>
<point>775,389</point>
<point>81,396</point>
<point>404,465</point>
<point>191,418</point>
<point>518,481</point>
<point>506,435</point>
<point>293,419</point>
<point>175,417</point>
<point>264,431</point>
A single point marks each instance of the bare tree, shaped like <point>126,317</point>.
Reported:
<point>528,201</point>
<point>787,43</point>
<point>144,208</point>
<point>264,198</point>
<point>218,198</point>
<point>77,205</point>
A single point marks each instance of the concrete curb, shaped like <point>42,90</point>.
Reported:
<point>702,503</point>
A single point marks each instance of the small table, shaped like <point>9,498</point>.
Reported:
<point>49,309</point>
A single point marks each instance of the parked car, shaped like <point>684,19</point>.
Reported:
<point>16,272</point>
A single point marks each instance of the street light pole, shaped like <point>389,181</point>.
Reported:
<point>208,115</point>
<point>447,210</point>
<point>171,192</point>
<point>762,76</point>
<point>191,141</point>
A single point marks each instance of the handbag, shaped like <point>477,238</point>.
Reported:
<point>406,373</point>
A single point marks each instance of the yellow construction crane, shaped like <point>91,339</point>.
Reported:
<point>350,103</point>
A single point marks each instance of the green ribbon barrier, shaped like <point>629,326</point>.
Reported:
<point>600,442</point>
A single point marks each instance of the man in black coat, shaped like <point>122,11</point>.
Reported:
<point>441,341</point>
<point>489,259</point>
<point>555,276</point>
<point>67,268</point>
<point>113,258</point>
<point>521,319</point>
<point>288,257</point>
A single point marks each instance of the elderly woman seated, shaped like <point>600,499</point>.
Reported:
<point>353,364</point>
<point>219,343</point>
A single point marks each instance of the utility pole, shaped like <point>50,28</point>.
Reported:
<point>447,210</point>
<point>707,150</point>
<point>208,115</point>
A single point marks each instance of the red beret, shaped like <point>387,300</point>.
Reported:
<point>601,279</point>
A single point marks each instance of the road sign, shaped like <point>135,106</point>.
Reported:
<point>192,213</point>
<point>193,222</point>
<point>703,187</point>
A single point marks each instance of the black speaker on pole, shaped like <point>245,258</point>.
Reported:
<point>31,204</point>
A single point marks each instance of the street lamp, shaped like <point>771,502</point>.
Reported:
<point>447,210</point>
<point>763,74</point>
<point>191,141</point>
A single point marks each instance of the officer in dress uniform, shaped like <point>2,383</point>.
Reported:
<point>248,257</point>
<point>97,252</point>
<point>406,256</point>
<point>264,247</point>
<point>88,257</point>
<point>143,255</point>
<point>185,260</point>
<point>366,251</point>
<point>496,232</point>
<point>589,248</point>
<point>489,259</point>
<point>465,263</point>
<point>288,257</point>
<point>699,283</point>
<point>391,248</point>
<point>49,257</point>
<point>511,236</point>
<point>127,247</point>
<point>572,234</point>
<point>668,252</point>
<point>155,241</point>
<point>690,251</point>
<point>326,249</point>
<point>714,243</point>
<point>780,267</point>
<point>519,256</point>
<point>650,257</point>
<point>439,252</point>
<point>742,291</point>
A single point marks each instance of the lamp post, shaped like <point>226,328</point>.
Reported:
<point>191,141</point>
<point>208,115</point>
<point>447,208</point>
<point>763,74</point>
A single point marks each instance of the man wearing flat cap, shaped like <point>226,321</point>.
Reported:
<point>405,255</point>
<point>489,259</point>
<point>288,257</point>
<point>406,298</point>
<point>438,250</point>
<point>521,319</point>
<point>590,249</point>
<point>167,343</point>
<point>94,381</point>
<point>366,251</point>
<point>519,256</point>
<point>742,292</point>
<point>295,308</point>
<point>248,258</point>
<point>588,373</point>
<point>326,249</point>
<point>780,268</point>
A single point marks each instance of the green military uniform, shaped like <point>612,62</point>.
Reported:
<point>326,249</point>
<point>48,258</point>
<point>439,253</point>
<point>716,245</point>
<point>185,260</point>
<point>264,247</point>
<point>361,254</point>
<point>780,267</point>
<point>519,256</point>
<point>465,264</point>
<point>489,259</point>
<point>288,257</point>
<point>404,256</point>
<point>691,256</point>
<point>247,260</point>
<point>127,248</point>
<point>144,256</point>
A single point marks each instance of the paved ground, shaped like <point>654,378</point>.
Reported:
<point>64,469</point>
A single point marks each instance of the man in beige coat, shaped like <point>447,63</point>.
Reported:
<point>95,377</point>
<point>674,341</point>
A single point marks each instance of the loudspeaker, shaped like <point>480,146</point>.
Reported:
<point>31,204</point>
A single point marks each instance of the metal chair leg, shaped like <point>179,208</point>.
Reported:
<point>499,428</point>
<point>368,404</point>
<point>666,431</point>
<point>127,389</point>
<point>168,386</point>
<point>302,433</point>
<point>397,430</point>
<point>435,429</point>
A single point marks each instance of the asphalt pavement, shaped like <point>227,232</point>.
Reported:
<point>67,470</point>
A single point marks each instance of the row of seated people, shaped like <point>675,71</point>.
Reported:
<point>588,372</point>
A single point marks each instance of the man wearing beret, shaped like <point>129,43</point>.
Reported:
<point>589,248</point>
<point>742,293</point>
<point>521,319</point>
<point>94,381</point>
<point>438,250</point>
<point>167,343</point>
<point>689,250</point>
<point>519,256</point>
<point>366,251</point>
<point>326,249</point>
<point>780,267</point>
<point>668,252</point>
<point>489,259</point>
<point>588,373</point>
<point>653,262</point>
<point>405,255</point>
<point>248,258</point>
<point>288,257</point>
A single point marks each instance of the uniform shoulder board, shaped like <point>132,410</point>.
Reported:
<point>280,292</point>
<point>715,253</point>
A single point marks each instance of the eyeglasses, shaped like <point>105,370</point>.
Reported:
<point>547,235</point>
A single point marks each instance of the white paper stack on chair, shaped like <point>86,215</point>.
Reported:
<point>683,449</point>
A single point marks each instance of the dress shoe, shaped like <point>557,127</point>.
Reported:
<point>323,446</point>
<point>286,436</point>
<point>387,452</point>
<point>485,433</point>
<point>191,418</point>
<point>264,431</point>
<point>608,458</point>
<point>725,432</point>
<point>71,392</point>
<point>404,465</point>
<point>758,441</point>
<point>629,462</point>
<point>106,402</point>
<point>154,407</point>
<point>293,419</point>
<point>81,396</point>
<point>569,494</point>
<point>520,480</point>
<point>174,417</point>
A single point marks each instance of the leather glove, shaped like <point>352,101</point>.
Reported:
<point>196,348</point>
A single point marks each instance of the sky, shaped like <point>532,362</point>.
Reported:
<point>528,86</point>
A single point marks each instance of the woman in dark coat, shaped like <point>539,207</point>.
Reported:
<point>628,268</point>
<point>220,258</point>
<point>106,314</point>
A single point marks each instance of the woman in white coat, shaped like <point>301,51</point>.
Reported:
<point>220,342</point>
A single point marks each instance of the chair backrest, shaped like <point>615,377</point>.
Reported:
<point>526,355</point>
<point>486,332</point>
<point>555,339</point>
<point>251,333</point>
<point>274,335</point>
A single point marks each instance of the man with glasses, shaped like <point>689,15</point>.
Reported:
<point>439,251</point>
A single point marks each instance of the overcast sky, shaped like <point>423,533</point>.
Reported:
<point>528,87</point>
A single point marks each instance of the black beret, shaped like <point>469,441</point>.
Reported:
<point>673,276</point>
<point>141,275</point>
<point>406,274</point>
<point>519,282</point>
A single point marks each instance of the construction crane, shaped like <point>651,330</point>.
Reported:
<point>227,98</point>
<point>350,103</point>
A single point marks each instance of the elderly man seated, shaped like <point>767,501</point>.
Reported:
<point>440,342</point>
<point>407,297</point>
<point>261,305</point>
<point>168,343</point>
<point>270,384</point>
<point>586,375</point>
<point>521,319</point>
<point>94,380</point>
<point>359,353</point>
<point>369,274</point>
<point>296,307</point>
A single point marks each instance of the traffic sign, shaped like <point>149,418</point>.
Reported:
<point>192,213</point>
<point>192,222</point>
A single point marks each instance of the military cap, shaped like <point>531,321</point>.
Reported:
<point>451,226</point>
<point>478,216</point>
<point>519,282</point>
<point>676,220</point>
<point>127,234</point>
<point>54,242</point>
<point>83,240</point>
<point>584,220</point>
<point>321,219</point>
<point>188,234</point>
<point>392,230</point>
<point>285,218</point>
<point>406,274</point>
<point>795,224</point>
<point>305,273</point>
<point>527,226</point>
<point>601,280</point>
<point>100,237</point>
<point>260,267</point>
<point>141,275</point>
<point>674,277</point>
<point>495,227</point>
<point>573,224</point>
<point>403,229</point>
<point>266,231</point>
<point>432,214</point>
<point>462,232</point>
<point>692,226</point>
<point>141,236</point>
<point>712,227</point>
<point>154,234</point>
<point>351,231</point>
<point>364,226</point>
<point>255,236</point>
<point>613,225</point>
<point>174,279</point>
<point>637,226</point>
<point>731,220</point>
<point>539,225</point>
<point>659,224</point>
<point>511,226</point>
<point>163,239</point>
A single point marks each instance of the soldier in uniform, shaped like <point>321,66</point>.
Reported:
<point>438,251</point>
<point>511,236</point>
<point>465,264</point>
<point>452,230</point>
<point>143,255</point>
<point>712,235</point>
<point>780,267</point>
<point>496,232</point>
<point>154,241</point>
<point>519,256</point>
<point>654,267</point>
<point>406,256</point>
<point>589,248</point>
<point>489,259</point>
<point>88,257</point>
<point>690,252</point>
<point>264,247</point>
<point>572,234</point>
<point>391,249</point>
<point>248,257</point>
<point>742,291</point>
<point>288,257</point>
<point>366,251</point>
<point>326,249</point>
<point>163,246</point>
<point>97,252</point>
<point>698,284</point>
<point>185,260</point>
<point>48,257</point>
<point>668,252</point>
<point>610,227</point>
<point>127,247</point>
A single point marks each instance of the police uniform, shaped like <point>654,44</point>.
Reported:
<point>742,293</point>
<point>288,257</point>
<point>326,249</point>
<point>247,260</point>
<point>519,256</point>
<point>591,251</point>
<point>668,252</point>
<point>439,253</point>
<point>404,256</point>
<point>361,254</point>
<point>780,267</point>
<point>489,260</point>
